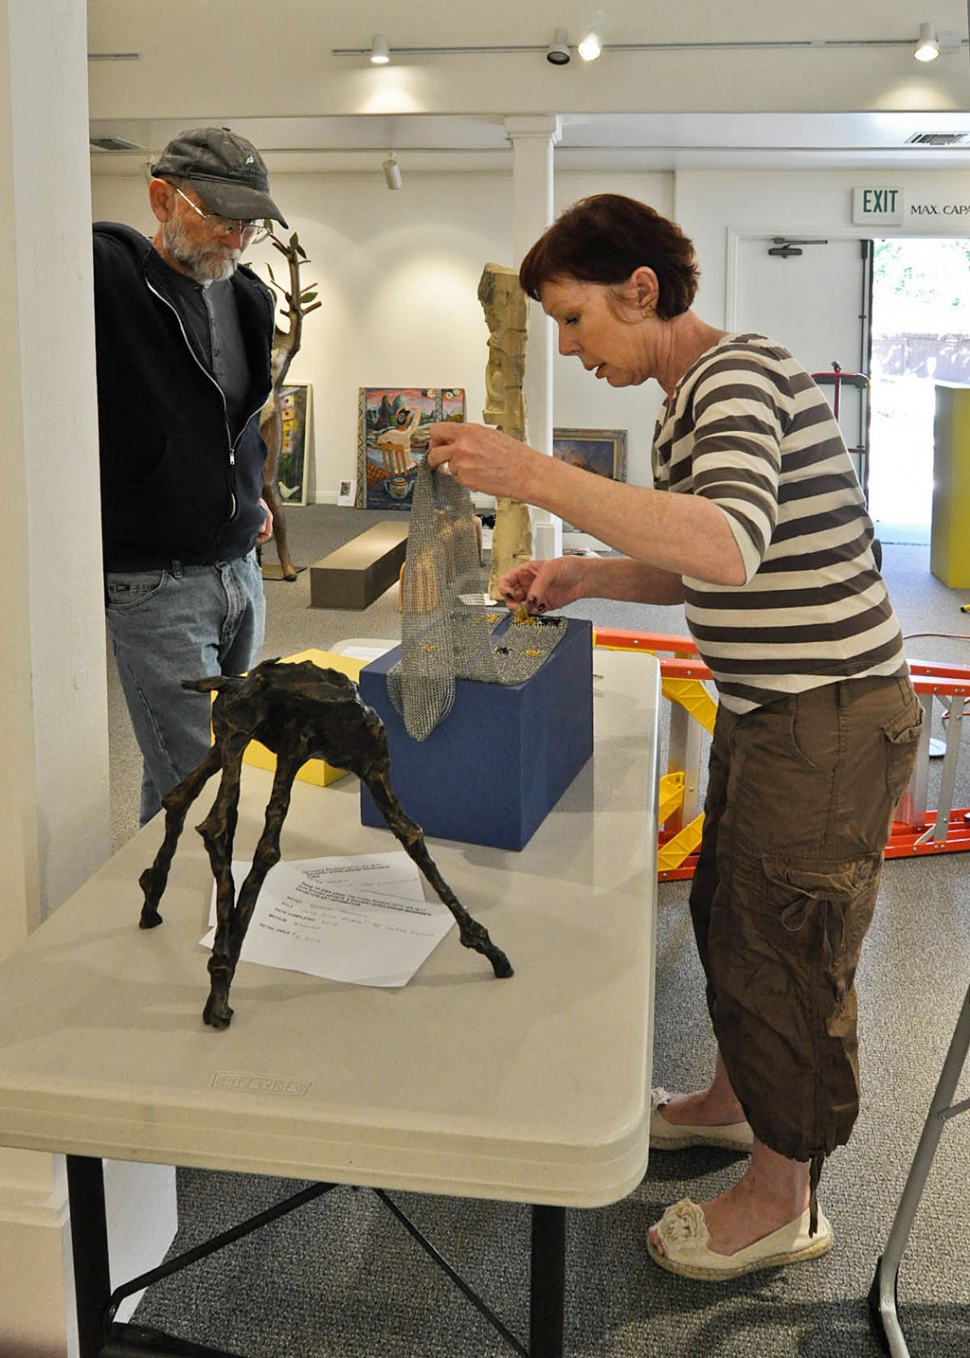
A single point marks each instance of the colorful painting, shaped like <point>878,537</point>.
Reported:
<point>295,416</point>
<point>393,428</point>
<point>602,451</point>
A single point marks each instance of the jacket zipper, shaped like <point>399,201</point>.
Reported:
<point>204,370</point>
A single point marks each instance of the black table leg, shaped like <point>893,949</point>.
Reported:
<point>548,1307</point>
<point>89,1237</point>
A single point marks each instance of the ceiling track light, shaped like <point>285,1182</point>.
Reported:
<point>392,172</point>
<point>591,46</point>
<point>943,41</point>
<point>927,47</point>
<point>559,54</point>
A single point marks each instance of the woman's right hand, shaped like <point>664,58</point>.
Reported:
<point>544,586</point>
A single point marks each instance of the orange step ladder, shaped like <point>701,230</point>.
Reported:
<point>916,831</point>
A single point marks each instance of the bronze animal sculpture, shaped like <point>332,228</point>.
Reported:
<point>300,712</point>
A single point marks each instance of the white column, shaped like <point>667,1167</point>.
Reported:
<point>54,807</point>
<point>50,451</point>
<point>533,141</point>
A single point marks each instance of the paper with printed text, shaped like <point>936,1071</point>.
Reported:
<point>359,918</point>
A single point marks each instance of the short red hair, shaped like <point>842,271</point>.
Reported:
<point>603,239</point>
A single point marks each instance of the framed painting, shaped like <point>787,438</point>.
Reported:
<point>295,417</point>
<point>392,427</point>
<point>601,451</point>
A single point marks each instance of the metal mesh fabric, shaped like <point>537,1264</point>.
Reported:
<point>446,631</point>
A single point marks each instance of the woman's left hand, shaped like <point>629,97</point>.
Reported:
<point>480,458</point>
<point>542,585</point>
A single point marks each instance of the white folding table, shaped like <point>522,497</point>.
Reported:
<point>531,1089</point>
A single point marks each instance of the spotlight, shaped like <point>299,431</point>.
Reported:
<point>558,53</point>
<point>380,53</point>
<point>591,46</point>
<point>927,48</point>
<point>392,172</point>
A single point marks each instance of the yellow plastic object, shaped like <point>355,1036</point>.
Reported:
<point>316,771</point>
<point>671,854</point>
<point>949,539</point>
<point>671,795</point>
<point>692,695</point>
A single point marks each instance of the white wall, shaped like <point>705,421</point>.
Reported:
<point>54,799</point>
<point>580,401</point>
<point>54,804</point>
<point>398,275</point>
<point>714,206</point>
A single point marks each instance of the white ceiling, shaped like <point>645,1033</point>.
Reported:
<point>685,86</point>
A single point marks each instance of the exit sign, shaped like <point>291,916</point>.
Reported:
<point>881,205</point>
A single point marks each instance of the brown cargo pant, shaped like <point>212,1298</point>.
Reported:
<point>799,807</point>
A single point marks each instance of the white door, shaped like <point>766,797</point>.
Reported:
<point>816,304</point>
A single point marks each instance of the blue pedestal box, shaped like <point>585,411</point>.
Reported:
<point>494,768</point>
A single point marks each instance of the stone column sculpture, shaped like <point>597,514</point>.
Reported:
<point>506,311</point>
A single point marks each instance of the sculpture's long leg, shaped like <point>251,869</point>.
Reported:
<point>411,836</point>
<point>176,804</point>
<point>267,853</point>
<point>218,831</point>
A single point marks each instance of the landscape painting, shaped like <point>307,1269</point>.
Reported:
<point>601,451</point>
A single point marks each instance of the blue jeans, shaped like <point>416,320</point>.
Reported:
<point>186,622</point>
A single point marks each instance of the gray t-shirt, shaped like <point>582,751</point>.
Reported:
<point>229,364</point>
<point>211,319</point>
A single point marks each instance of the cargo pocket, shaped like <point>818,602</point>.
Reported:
<point>797,888</point>
<point>902,735</point>
<point>838,898</point>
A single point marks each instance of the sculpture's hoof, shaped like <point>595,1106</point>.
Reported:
<point>150,918</point>
<point>216,1014</point>
<point>501,964</point>
<point>292,577</point>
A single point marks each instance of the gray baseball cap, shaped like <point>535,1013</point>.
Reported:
<point>228,172</point>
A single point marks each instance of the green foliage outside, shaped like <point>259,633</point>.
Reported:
<point>922,286</point>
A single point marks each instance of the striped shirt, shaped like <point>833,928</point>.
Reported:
<point>748,428</point>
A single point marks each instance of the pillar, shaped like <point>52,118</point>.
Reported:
<point>533,142</point>
<point>54,805</point>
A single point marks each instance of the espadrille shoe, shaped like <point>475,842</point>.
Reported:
<point>684,1236</point>
<point>667,1136</point>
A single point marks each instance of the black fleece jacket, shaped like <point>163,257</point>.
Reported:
<point>174,485</point>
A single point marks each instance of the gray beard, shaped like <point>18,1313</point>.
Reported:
<point>204,264</point>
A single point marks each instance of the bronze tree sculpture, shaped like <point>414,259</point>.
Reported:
<point>300,712</point>
<point>299,302</point>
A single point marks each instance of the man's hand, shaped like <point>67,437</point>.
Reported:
<point>266,532</point>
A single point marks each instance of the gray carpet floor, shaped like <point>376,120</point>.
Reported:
<point>341,1278</point>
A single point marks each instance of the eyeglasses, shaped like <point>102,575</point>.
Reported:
<point>225,226</point>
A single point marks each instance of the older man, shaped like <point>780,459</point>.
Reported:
<point>184,335</point>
